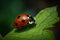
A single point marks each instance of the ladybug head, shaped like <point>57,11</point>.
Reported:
<point>31,20</point>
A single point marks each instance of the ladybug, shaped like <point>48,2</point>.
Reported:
<point>22,20</point>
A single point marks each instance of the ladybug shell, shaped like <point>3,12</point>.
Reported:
<point>21,20</point>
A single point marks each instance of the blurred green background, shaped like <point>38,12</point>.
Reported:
<point>11,8</point>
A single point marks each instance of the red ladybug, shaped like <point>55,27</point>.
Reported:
<point>23,19</point>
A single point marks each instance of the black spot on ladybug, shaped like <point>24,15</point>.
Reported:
<point>23,20</point>
<point>16,24</point>
<point>18,17</point>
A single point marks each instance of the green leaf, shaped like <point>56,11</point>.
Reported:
<point>1,37</point>
<point>44,19</point>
